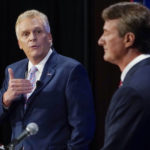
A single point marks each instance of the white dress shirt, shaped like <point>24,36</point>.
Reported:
<point>39,66</point>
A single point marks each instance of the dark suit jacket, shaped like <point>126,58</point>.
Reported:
<point>61,105</point>
<point>128,117</point>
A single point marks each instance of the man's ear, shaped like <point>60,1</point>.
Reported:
<point>19,44</point>
<point>129,39</point>
<point>50,38</point>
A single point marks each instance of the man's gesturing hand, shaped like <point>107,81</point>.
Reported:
<point>16,87</point>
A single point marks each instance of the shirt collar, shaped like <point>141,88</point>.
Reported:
<point>41,64</point>
<point>132,63</point>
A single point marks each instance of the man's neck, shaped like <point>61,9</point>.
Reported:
<point>131,55</point>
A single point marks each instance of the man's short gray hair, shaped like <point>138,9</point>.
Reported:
<point>31,14</point>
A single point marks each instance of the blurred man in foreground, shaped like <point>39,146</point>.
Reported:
<point>126,43</point>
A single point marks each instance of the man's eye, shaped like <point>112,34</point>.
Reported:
<point>38,31</point>
<point>25,34</point>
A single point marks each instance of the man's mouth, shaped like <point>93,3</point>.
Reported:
<point>105,49</point>
<point>34,46</point>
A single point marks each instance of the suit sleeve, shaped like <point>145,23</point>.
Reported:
<point>123,120</point>
<point>80,106</point>
<point>5,129</point>
<point>3,112</point>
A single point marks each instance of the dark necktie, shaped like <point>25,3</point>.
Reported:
<point>120,83</point>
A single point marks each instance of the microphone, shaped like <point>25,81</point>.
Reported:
<point>31,129</point>
<point>38,84</point>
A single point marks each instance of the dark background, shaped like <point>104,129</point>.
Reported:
<point>76,26</point>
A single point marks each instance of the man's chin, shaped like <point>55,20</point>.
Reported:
<point>107,59</point>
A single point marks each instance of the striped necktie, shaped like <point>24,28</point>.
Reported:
<point>32,79</point>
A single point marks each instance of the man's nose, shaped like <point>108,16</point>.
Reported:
<point>100,41</point>
<point>32,36</point>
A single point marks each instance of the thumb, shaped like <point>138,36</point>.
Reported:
<point>11,73</point>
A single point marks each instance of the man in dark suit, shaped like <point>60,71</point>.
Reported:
<point>126,43</point>
<point>61,102</point>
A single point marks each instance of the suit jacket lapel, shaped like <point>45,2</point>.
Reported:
<point>47,74</point>
<point>134,69</point>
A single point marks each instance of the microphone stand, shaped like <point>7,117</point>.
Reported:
<point>10,147</point>
<point>31,129</point>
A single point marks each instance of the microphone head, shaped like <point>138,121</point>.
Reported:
<point>32,128</point>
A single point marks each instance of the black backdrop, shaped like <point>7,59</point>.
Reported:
<point>70,26</point>
<point>75,26</point>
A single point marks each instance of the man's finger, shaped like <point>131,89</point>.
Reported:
<point>11,73</point>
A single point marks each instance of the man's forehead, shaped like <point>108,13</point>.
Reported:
<point>110,23</point>
<point>30,20</point>
<point>29,23</point>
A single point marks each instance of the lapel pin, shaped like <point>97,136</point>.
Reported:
<point>49,74</point>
